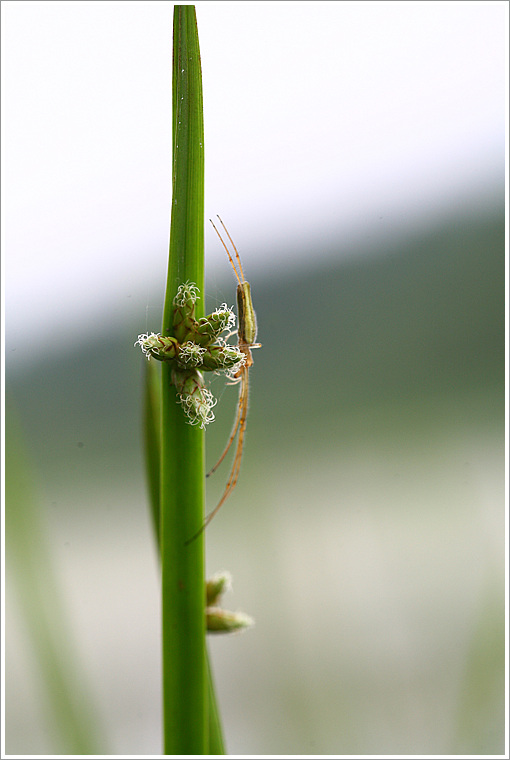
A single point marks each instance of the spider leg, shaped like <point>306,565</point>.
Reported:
<point>236,467</point>
<point>234,429</point>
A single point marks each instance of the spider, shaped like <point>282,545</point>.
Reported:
<point>246,336</point>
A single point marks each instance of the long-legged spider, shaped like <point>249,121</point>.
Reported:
<point>246,336</point>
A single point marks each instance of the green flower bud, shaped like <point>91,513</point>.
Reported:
<point>222,357</point>
<point>187,295</point>
<point>184,311</point>
<point>218,620</point>
<point>216,586</point>
<point>195,399</point>
<point>190,355</point>
<point>155,345</point>
<point>208,329</point>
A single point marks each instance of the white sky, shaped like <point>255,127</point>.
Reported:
<point>321,118</point>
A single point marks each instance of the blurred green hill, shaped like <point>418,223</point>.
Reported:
<point>424,317</point>
<point>398,326</point>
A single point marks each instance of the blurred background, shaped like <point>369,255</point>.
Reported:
<point>356,152</point>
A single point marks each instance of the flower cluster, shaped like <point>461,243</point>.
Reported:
<point>197,346</point>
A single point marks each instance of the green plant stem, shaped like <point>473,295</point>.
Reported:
<point>182,472</point>
<point>152,417</point>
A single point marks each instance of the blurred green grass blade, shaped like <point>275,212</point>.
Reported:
<point>31,577</point>
<point>182,473</point>
<point>216,742</point>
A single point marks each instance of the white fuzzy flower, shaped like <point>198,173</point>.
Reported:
<point>187,294</point>
<point>197,407</point>
<point>148,342</point>
<point>190,355</point>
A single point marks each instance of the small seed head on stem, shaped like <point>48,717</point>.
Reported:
<point>153,345</point>
<point>184,323</point>
<point>222,357</point>
<point>216,586</point>
<point>219,620</point>
<point>190,355</point>
<point>196,400</point>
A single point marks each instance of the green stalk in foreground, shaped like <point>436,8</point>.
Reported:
<point>176,412</point>
<point>152,417</point>
<point>182,471</point>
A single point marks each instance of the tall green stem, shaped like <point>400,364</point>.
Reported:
<point>182,473</point>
